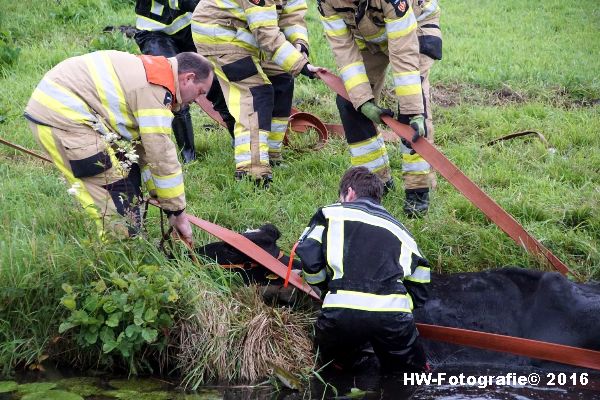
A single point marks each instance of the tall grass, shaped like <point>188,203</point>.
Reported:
<point>508,66</point>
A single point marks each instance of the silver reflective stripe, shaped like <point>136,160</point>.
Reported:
<point>295,3</point>
<point>354,70</point>
<point>333,25</point>
<point>274,144</point>
<point>403,80</point>
<point>399,25</point>
<point>146,174</point>
<point>373,165</point>
<point>66,98</point>
<point>296,29</point>
<point>174,4</point>
<point>421,274</point>
<point>286,50</point>
<point>335,247</point>
<point>246,37</point>
<point>316,233</point>
<point>155,120</point>
<point>247,156</point>
<point>429,9</point>
<point>239,140</point>
<point>167,183</point>
<point>260,16</point>
<point>367,148</point>
<point>147,24</point>
<point>382,37</point>
<point>157,8</point>
<point>367,301</point>
<point>313,279</point>
<point>113,93</point>
<point>230,5</point>
<point>415,166</point>
<point>409,246</point>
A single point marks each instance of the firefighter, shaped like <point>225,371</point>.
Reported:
<point>164,30</point>
<point>365,37</point>
<point>104,119</point>
<point>364,261</point>
<point>256,47</point>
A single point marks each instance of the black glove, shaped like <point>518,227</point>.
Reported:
<point>303,49</point>
<point>304,71</point>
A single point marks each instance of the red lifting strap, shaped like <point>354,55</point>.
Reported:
<point>460,181</point>
<point>509,344</point>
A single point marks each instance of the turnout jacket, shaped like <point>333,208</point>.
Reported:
<point>167,16</point>
<point>107,93</point>
<point>388,26</point>
<point>363,255</point>
<point>267,29</point>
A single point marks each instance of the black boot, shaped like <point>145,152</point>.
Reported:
<point>184,134</point>
<point>416,202</point>
<point>389,186</point>
<point>264,182</point>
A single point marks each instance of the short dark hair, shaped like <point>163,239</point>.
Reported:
<point>363,182</point>
<point>193,62</point>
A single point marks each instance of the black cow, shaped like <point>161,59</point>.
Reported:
<point>511,301</point>
<point>270,284</point>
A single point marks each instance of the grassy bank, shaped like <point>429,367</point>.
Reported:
<point>504,70</point>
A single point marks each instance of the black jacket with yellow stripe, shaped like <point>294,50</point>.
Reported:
<point>364,256</point>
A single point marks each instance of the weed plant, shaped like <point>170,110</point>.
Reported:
<point>504,70</point>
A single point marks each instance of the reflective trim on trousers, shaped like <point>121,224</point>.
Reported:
<point>428,9</point>
<point>367,301</point>
<point>147,24</point>
<point>286,56</point>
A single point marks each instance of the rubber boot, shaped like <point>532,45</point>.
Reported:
<point>184,134</point>
<point>264,182</point>
<point>416,202</point>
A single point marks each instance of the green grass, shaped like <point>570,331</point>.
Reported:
<point>546,54</point>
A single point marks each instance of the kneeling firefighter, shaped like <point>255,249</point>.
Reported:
<point>365,260</point>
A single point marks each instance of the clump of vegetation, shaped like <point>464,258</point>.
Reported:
<point>123,313</point>
<point>75,11</point>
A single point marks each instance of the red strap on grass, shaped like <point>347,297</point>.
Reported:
<point>460,181</point>
<point>290,263</point>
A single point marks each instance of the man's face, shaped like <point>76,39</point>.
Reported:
<point>190,89</point>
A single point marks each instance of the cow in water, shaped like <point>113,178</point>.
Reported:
<point>510,301</point>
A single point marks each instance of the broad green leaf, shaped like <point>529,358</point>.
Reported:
<point>114,319</point>
<point>69,302</point>
<point>149,334</point>
<point>90,337</point>
<point>67,288</point>
<point>100,286</point>
<point>132,330</point>
<point>65,326</point>
<point>150,314</point>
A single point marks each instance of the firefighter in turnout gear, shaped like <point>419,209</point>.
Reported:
<point>365,37</point>
<point>256,47</point>
<point>104,119</point>
<point>365,261</point>
<point>164,30</point>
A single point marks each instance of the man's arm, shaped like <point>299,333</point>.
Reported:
<point>416,282</point>
<point>310,251</point>
<point>293,24</point>
<point>347,55</point>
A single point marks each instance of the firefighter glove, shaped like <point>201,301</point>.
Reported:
<point>417,122</point>
<point>307,72</point>
<point>302,49</point>
<point>374,112</point>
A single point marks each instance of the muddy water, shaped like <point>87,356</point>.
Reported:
<point>476,384</point>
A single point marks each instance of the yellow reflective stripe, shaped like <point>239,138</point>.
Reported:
<point>169,186</point>
<point>153,112</point>
<point>147,178</point>
<point>379,37</point>
<point>62,101</point>
<point>160,130</point>
<point>353,75</point>
<point>286,56</point>
<point>334,26</point>
<point>156,8</point>
<point>110,92</point>
<point>148,24</point>
<point>407,83</point>
<point>429,8</point>
<point>367,301</point>
<point>421,275</point>
<point>294,5</point>
<point>174,4</point>
<point>261,16</point>
<point>295,32</point>
<point>369,157</point>
<point>400,27</point>
<point>84,197</point>
<point>232,7</point>
<point>313,279</point>
<point>212,34</point>
<point>171,192</point>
